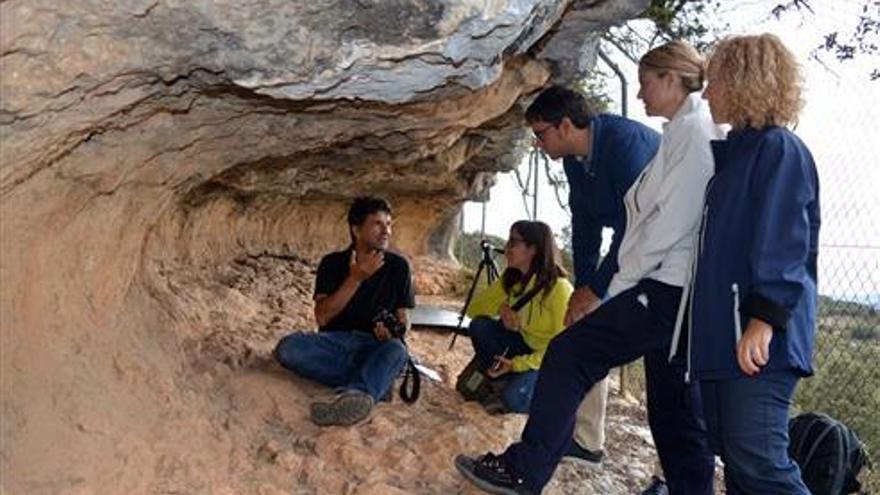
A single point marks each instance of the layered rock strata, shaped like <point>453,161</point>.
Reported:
<point>147,140</point>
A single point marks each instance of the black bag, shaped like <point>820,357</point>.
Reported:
<point>829,454</point>
<point>472,383</point>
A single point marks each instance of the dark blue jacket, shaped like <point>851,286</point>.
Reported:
<point>757,253</point>
<point>621,149</point>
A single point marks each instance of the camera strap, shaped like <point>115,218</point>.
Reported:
<point>522,301</point>
<point>411,386</point>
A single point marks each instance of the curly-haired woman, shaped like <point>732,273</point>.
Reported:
<point>752,302</point>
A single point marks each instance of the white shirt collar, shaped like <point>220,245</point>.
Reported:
<point>692,103</point>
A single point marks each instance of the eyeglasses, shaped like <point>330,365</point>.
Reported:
<point>539,134</point>
<point>513,241</point>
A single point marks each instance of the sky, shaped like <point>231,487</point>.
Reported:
<point>839,124</point>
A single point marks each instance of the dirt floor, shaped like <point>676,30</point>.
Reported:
<point>247,306</point>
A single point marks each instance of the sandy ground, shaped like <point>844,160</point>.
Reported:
<point>400,448</point>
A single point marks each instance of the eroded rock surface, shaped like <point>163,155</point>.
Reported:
<point>145,144</point>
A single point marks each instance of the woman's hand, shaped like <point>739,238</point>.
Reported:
<point>753,349</point>
<point>509,318</point>
<point>502,366</point>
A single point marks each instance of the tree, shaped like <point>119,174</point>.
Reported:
<point>862,40</point>
<point>698,22</point>
<point>664,20</point>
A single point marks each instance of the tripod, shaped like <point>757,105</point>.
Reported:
<point>487,263</point>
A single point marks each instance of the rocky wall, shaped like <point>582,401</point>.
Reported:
<point>140,138</point>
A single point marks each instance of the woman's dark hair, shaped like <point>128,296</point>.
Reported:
<point>364,206</point>
<point>557,102</point>
<point>544,266</point>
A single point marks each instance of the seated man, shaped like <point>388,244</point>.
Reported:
<point>351,351</point>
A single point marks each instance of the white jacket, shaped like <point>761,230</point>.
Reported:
<point>664,204</point>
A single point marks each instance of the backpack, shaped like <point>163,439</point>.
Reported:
<point>829,454</point>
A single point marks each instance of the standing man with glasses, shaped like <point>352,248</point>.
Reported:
<point>602,155</point>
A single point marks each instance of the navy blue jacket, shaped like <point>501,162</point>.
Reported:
<point>757,253</point>
<point>621,149</point>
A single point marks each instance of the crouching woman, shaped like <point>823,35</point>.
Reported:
<point>509,345</point>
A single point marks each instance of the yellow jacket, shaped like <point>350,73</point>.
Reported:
<point>541,319</point>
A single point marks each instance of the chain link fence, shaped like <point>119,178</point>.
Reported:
<point>847,355</point>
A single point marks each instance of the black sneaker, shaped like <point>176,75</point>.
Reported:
<point>580,455</point>
<point>490,473</point>
<point>657,487</point>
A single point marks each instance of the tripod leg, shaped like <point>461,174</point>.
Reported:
<point>467,303</point>
<point>492,271</point>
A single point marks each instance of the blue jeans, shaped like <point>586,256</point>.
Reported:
<point>748,428</point>
<point>347,360</point>
<point>490,339</point>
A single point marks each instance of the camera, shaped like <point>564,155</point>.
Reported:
<point>391,322</point>
<point>488,249</point>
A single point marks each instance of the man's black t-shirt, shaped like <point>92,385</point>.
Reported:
<point>389,288</point>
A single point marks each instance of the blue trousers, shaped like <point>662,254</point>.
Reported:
<point>632,324</point>
<point>675,415</point>
<point>490,339</point>
<point>347,360</point>
<point>748,428</point>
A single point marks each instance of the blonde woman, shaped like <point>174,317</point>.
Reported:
<point>663,213</point>
<point>753,299</point>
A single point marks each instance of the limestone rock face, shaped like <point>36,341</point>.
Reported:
<point>146,141</point>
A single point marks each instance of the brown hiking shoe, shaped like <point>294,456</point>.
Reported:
<point>348,408</point>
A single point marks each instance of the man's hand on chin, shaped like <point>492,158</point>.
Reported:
<point>364,266</point>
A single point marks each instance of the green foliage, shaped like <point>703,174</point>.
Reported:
<point>664,20</point>
<point>847,309</point>
<point>865,332</point>
<point>564,242</point>
<point>683,19</point>
<point>469,254</point>
<point>595,88</point>
<point>697,22</point>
